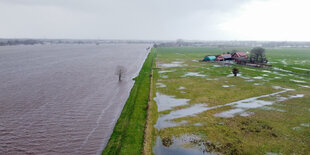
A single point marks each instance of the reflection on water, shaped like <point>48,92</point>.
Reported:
<point>163,120</point>
<point>184,145</point>
<point>166,102</point>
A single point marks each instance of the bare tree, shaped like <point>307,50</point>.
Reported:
<point>120,72</point>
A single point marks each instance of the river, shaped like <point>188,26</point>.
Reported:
<point>63,99</point>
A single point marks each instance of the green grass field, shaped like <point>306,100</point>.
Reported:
<point>128,134</point>
<point>277,123</point>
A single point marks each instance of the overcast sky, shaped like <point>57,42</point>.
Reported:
<point>156,19</point>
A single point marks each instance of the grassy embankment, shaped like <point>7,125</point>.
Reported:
<point>279,128</point>
<point>152,115</point>
<point>128,134</point>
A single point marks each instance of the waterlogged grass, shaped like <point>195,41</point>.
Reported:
<point>128,134</point>
<point>282,127</point>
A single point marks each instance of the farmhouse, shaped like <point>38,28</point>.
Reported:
<point>240,57</point>
<point>223,57</point>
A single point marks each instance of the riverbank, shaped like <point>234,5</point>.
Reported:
<point>128,134</point>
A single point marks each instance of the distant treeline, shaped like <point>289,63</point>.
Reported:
<point>223,44</point>
<point>157,43</point>
<point>11,42</point>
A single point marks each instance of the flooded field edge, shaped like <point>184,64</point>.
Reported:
<point>173,142</point>
<point>128,134</point>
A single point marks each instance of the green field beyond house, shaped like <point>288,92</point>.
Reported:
<point>200,107</point>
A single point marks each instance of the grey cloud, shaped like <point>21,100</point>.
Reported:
<point>122,19</point>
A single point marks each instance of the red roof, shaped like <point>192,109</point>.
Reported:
<point>240,54</point>
<point>226,55</point>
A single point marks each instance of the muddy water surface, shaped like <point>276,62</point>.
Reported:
<point>63,99</point>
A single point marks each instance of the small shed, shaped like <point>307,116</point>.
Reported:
<point>209,58</point>
<point>223,57</point>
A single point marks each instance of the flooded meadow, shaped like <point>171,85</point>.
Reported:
<point>203,109</point>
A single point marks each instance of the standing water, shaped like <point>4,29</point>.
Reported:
<point>63,99</point>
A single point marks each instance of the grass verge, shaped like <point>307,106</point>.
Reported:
<point>152,116</point>
<point>128,134</point>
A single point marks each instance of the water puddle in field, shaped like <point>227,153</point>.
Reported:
<point>302,125</point>
<point>166,102</point>
<point>303,86</point>
<point>304,69</point>
<point>272,109</point>
<point>240,107</point>
<point>181,88</point>
<point>193,74</point>
<point>197,124</point>
<point>266,71</point>
<point>165,71</point>
<point>298,81</point>
<point>227,86</point>
<point>173,64</point>
<point>165,121</point>
<point>183,145</point>
<point>164,76</point>
<point>160,85</point>
<point>276,87</point>
<point>305,125</point>
<point>258,77</point>
<point>284,62</point>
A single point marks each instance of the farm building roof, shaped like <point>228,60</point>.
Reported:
<point>239,54</point>
<point>209,57</point>
<point>226,56</point>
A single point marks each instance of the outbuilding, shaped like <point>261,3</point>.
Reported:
<point>223,57</point>
<point>209,58</point>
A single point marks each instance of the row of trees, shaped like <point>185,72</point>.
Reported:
<point>20,42</point>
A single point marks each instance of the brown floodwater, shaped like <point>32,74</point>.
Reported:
<point>63,99</point>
